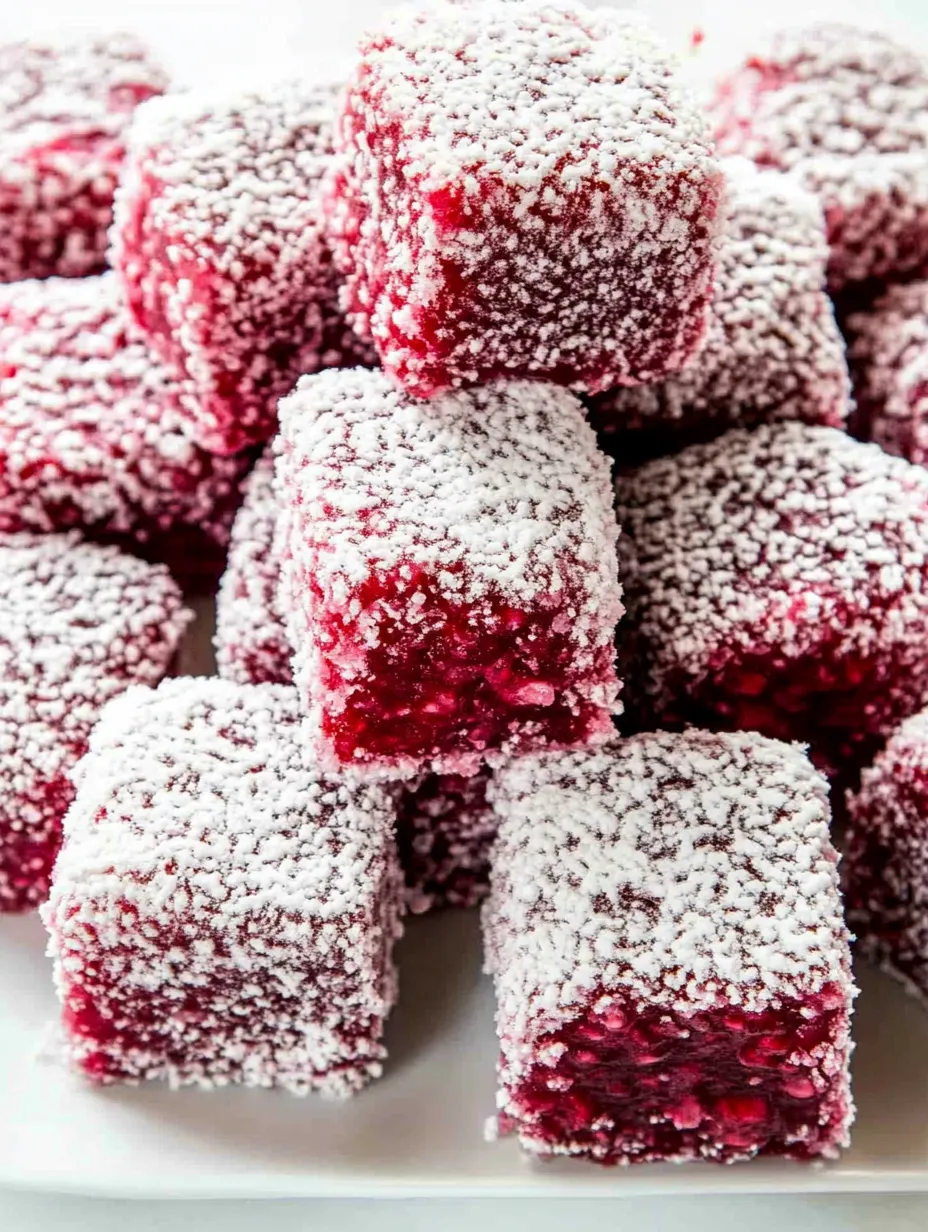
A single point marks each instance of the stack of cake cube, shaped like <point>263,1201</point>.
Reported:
<point>571,560</point>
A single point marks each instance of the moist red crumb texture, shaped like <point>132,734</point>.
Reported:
<point>220,911</point>
<point>846,111</point>
<point>773,349</point>
<point>886,863</point>
<point>523,190</point>
<point>218,242</point>
<point>78,625</point>
<point>445,825</point>
<point>449,572</point>
<point>91,432</point>
<point>672,971</point>
<point>777,581</point>
<point>888,354</point>
<point>64,110</point>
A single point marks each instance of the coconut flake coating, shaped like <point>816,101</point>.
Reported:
<point>665,934</point>
<point>777,581</point>
<point>218,243</point>
<point>773,350</point>
<point>522,190</point>
<point>78,625</point>
<point>888,354</point>
<point>221,912</point>
<point>845,110</point>
<point>91,431</point>
<point>448,572</point>
<point>65,106</point>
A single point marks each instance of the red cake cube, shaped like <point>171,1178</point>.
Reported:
<point>65,107</point>
<point>885,867</point>
<point>218,242</point>
<point>91,432</point>
<point>449,572</point>
<point>773,349</point>
<point>888,353</point>
<point>78,625</point>
<point>845,111</point>
<point>221,912</point>
<point>777,581</point>
<point>522,190</point>
<point>672,969</point>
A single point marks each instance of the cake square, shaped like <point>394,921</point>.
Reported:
<point>672,970</point>
<point>78,625</point>
<point>522,190</point>
<point>449,573</point>
<point>221,912</point>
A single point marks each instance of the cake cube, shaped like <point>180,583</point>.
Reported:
<point>672,969</point>
<point>773,350</point>
<point>218,243</point>
<point>845,111</point>
<point>78,624</point>
<point>777,581</point>
<point>888,354</point>
<point>91,432</point>
<point>449,572</point>
<point>221,912</point>
<point>522,190</point>
<point>65,106</point>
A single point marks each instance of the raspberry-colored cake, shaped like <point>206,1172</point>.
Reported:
<point>888,354</point>
<point>64,109</point>
<point>523,190</point>
<point>773,349</point>
<point>221,912</point>
<point>672,970</point>
<point>91,432</point>
<point>846,112</point>
<point>885,868</point>
<point>78,625</point>
<point>777,581</point>
<point>218,242</point>
<point>448,570</point>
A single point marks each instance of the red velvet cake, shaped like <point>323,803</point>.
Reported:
<point>449,572</point>
<point>220,911</point>
<point>846,111</point>
<point>777,581</point>
<point>64,110</point>
<point>78,625</point>
<point>773,350</point>
<point>672,970</point>
<point>523,190</point>
<point>91,431</point>
<point>218,242</point>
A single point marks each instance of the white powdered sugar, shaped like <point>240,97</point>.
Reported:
<point>208,864</point>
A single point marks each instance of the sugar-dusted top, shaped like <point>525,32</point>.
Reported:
<point>761,540</point>
<point>678,869</point>
<point>493,490</point>
<point>197,801</point>
<point>890,803</point>
<point>545,88</point>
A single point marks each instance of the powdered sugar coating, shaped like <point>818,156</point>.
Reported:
<point>845,110</point>
<point>888,353</point>
<point>684,872</point>
<point>773,350</point>
<point>65,106</point>
<point>78,625</point>
<point>208,864</point>
<point>770,572</point>
<point>522,190</point>
<point>218,242</point>
<point>479,522</point>
<point>91,429</point>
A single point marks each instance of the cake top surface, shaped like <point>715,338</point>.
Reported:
<point>684,869</point>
